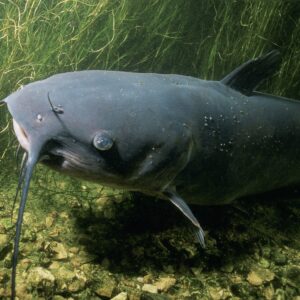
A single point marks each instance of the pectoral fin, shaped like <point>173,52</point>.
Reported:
<point>183,207</point>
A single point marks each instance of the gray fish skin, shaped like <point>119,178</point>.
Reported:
<point>174,137</point>
<point>214,144</point>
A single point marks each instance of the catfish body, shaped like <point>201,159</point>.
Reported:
<point>213,143</point>
<point>175,137</point>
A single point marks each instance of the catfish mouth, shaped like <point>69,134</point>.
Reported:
<point>66,155</point>
<point>21,136</point>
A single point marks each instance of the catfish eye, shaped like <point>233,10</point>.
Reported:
<point>102,141</point>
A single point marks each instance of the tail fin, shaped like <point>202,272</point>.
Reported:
<point>250,75</point>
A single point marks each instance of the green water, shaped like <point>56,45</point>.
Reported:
<point>82,242</point>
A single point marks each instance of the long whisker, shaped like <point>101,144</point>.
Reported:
<point>20,182</point>
<point>29,167</point>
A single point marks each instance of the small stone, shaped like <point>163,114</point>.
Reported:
<point>150,288</point>
<point>121,296</point>
<point>74,250</point>
<point>3,240</point>
<point>147,278</point>
<point>41,278</point>
<point>134,295</point>
<point>269,292</point>
<point>258,276</point>
<point>59,250</point>
<point>165,283</point>
<point>227,268</point>
<point>264,263</point>
<point>106,290</point>
<point>55,265</point>
<point>63,274</point>
<point>216,293</point>
<point>21,291</point>
<point>76,286</point>
<point>2,229</point>
<point>293,274</point>
<point>3,276</point>
<point>25,263</point>
<point>49,221</point>
<point>64,215</point>
<point>280,258</point>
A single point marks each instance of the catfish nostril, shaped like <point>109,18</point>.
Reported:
<point>39,118</point>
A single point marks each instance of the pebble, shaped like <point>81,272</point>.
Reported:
<point>264,263</point>
<point>150,288</point>
<point>269,292</point>
<point>147,278</point>
<point>217,293</point>
<point>293,275</point>
<point>165,283</point>
<point>3,240</point>
<point>106,289</point>
<point>227,268</point>
<point>59,250</point>
<point>40,277</point>
<point>121,296</point>
<point>258,276</point>
<point>49,221</point>
<point>280,258</point>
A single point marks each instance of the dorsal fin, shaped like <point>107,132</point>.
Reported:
<point>249,75</point>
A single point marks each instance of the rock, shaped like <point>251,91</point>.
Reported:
<point>25,263</point>
<point>121,296</point>
<point>54,266</point>
<point>5,246</point>
<point>216,293</point>
<point>3,240</point>
<point>150,288</point>
<point>258,276</point>
<point>65,275</point>
<point>279,258</point>
<point>78,284</point>
<point>41,278</point>
<point>21,292</point>
<point>60,252</point>
<point>2,228</point>
<point>3,276</point>
<point>106,288</point>
<point>49,221</point>
<point>74,250</point>
<point>293,275</point>
<point>269,292</point>
<point>147,278</point>
<point>264,263</point>
<point>227,268</point>
<point>165,283</point>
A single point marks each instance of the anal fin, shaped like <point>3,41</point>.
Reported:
<point>184,208</point>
